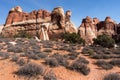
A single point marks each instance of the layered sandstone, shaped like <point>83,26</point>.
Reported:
<point>17,15</point>
<point>41,23</point>
<point>87,30</point>
<point>91,28</point>
<point>108,26</point>
<point>1,27</point>
<point>60,23</point>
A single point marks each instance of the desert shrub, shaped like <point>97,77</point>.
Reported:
<point>107,52</point>
<point>61,59</point>
<point>80,67</point>
<point>36,55</point>
<point>28,53</point>
<point>72,56</point>
<point>10,49</point>
<point>73,38</point>
<point>19,43</point>
<point>82,60</point>
<point>69,49</point>
<point>105,65</point>
<point>104,41</point>
<point>22,54</point>
<point>47,50</point>
<point>50,76</point>
<point>65,48</point>
<point>116,38</point>
<point>4,55</point>
<point>52,62</point>
<point>117,51</point>
<point>30,69</point>
<point>100,56</point>
<point>98,49</point>
<point>36,51</point>
<point>6,40</point>
<point>74,47</point>
<point>48,46</point>
<point>15,58</point>
<point>16,49</point>
<point>42,55</point>
<point>113,76</point>
<point>88,51</point>
<point>22,34</point>
<point>21,62</point>
<point>35,47</point>
<point>20,40</point>
<point>32,42</point>
<point>115,62</point>
<point>32,55</point>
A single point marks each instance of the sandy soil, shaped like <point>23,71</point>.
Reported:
<point>7,69</point>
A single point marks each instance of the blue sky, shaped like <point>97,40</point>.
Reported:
<point>80,8</point>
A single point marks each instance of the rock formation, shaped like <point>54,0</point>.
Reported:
<point>90,29</point>
<point>95,21</point>
<point>58,17</point>
<point>69,26</point>
<point>1,27</point>
<point>87,30</point>
<point>30,22</point>
<point>60,23</point>
<point>107,27</point>
<point>41,23</point>
<point>46,25</point>
<point>17,15</point>
<point>118,28</point>
<point>116,37</point>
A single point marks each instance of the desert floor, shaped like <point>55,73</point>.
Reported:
<point>20,47</point>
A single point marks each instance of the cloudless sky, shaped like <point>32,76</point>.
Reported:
<point>80,8</point>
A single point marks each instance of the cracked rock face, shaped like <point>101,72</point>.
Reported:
<point>87,30</point>
<point>16,14</point>
<point>56,22</point>
<point>108,26</point>
<point>58,17</point>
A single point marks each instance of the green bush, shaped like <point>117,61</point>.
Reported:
<point>105,41</point>
<point>73,38</point>
<point>22,34</point>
